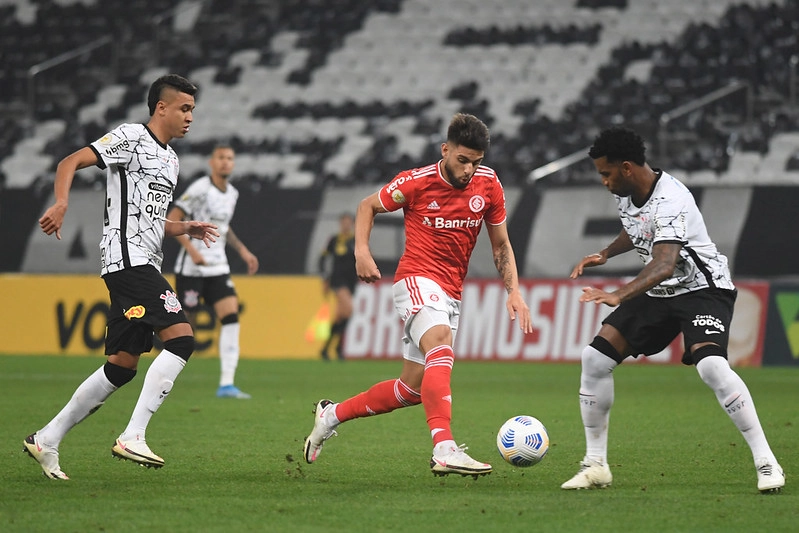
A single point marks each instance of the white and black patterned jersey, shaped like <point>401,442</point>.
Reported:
<point>670,215</point>
<point>204,201</point>
<point>141,174</point>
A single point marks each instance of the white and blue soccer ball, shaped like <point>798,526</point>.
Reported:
<point>523,441</point>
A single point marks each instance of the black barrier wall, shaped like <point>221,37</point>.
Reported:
<point>550,229</point>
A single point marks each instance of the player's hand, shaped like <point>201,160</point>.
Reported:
<point>517,308</point>
<point>52,219</point>
<point>598,296</point>
<point>588,261</point>
<point>204,231</point>
<point>251,261</point>
<point>366,268</point>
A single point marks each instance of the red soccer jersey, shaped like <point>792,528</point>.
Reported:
<point>441,222</point>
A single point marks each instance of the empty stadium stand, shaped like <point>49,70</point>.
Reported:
<point>314,93</point>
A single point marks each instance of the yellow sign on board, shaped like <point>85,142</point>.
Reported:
<point>53,314</point>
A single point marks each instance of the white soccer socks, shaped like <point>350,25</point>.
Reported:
<point>228,353</point>
<point>596,399</point>
<point>157,385</point>
<point>87,398</point>
<point>734,397</point>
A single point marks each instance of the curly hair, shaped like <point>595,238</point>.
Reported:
<point>619,144</point>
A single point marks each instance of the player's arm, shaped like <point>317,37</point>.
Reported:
<point>248,257</point>
<point>620,245</point>
<point>53,218</point>
<point>176,214</point>
<point>505,261</point>
<point>174,226</point>
<point>365,264</point>
<point>664,260</point>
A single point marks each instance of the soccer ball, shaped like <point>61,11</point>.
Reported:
<point>523,441</point>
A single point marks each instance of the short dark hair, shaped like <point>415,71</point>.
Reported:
<point>222,146</point>
<point>469,131</point>
<point>619,144</point>
<point>172,81</point>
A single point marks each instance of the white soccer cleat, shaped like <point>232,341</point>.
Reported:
<point>46,456</point>
<point>136,451</point>
<point>592,475</point>
<point>322,430</point>
<point>770,476</point>
<point>455,460</point>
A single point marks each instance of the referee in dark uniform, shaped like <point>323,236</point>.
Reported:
<point>337,265</point>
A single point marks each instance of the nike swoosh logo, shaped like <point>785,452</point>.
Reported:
<point>732,402</point>
<point>711,332</point>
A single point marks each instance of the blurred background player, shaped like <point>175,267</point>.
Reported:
<point>142,172</point>
<point>337,265</point>
<point>685,286</point>
<point>444,204</point>
<point>203,273</point>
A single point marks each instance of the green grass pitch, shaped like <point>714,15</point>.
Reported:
<point>678,462</point>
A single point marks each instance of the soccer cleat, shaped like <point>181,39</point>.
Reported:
<point>46,456</point>
<point>592,475</point>
<point>770,476</point>
<point>138,452</point>
<point>231,391</point>
<point>457,461</point>
<point>321,431</point>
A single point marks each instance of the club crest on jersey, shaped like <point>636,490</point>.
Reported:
<point>192,298</point>
<point>137,311</point>
<point>476,203</point>
<point>171,302</point>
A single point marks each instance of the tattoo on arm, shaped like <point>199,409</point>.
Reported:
<point>620,244</point>
<point>660,268</point>
<point>502,260</point>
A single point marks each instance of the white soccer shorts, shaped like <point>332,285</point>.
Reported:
<point>422,304</point>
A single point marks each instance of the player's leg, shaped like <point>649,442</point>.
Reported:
<point>164,314</point>
<point>734,397</point>
<point>433,330</point>
<point>706,319</point>
<point>599,359</point>
<point>90,395</point>
<point>227,310</point>
<point>158,382</point>
<point>380,398</point>
<point>88,398</point>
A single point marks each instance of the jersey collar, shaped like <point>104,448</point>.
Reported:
<point>162,145</point>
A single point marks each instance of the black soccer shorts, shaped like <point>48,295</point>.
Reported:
<point>649,324</point>
<point>142,302</point>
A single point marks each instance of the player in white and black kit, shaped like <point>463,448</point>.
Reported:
<point>142,172</point>
<point>203,273</point>
<point>684,287</point>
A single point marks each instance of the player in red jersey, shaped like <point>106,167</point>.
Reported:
<point>445,205</point>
